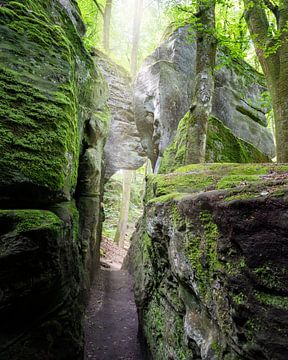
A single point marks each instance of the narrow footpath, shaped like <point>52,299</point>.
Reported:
<point>111,324</point>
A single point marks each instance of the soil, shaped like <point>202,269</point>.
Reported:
<point>111,322</point>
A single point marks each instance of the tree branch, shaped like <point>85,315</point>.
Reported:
<point>257,21</point>
<point>99,7</point>
<point>274,8</point>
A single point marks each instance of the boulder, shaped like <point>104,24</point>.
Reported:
<point>164,88</point>
<point>209,261</point>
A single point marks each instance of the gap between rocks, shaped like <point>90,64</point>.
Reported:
<point>111,321</point>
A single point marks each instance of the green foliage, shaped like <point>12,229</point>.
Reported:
<point>231,29</point>
<point>153,23</point>
<point>112,201</point>
<point>93,20</point>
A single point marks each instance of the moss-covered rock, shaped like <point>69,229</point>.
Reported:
<point>54,121</point>
<point>222,146</point>
<point>40,272</point>
<point>164,88</point>
<point>213,262</point>
<point>47,85</point>
<point>238,179</point>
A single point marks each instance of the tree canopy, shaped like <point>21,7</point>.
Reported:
<point>252,30</point>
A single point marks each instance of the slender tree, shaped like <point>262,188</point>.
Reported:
<point>271,45</point>
<point>138,11</point>
<point>127,174</point>
<point>124,211</point>
<point>204,84</point>
<point>106,25</point>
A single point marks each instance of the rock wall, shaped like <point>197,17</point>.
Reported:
<point>123,149</point>
<point>221,146</point>
<point>164,89</point>
<point>53,124</point>
<point>209,260</point>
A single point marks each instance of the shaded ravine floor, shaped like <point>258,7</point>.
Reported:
<point>111,323</point>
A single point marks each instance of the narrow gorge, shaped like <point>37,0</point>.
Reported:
<point>208,259</point>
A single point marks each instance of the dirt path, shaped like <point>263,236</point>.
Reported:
<point>111,323</point>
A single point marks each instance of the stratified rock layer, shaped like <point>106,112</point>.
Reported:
<point>52,130</point>
<point>209,260</point>
<point>164,88</point>
<point>123,149</point>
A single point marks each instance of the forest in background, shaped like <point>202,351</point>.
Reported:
<point>129,30</point>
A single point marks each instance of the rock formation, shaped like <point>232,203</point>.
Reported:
<point>209,260</point>
<point>222,146</point>
<point>123,149</point>
<point>53,123</point>
<point>163,95</point>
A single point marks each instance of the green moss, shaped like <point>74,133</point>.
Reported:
<point>229,168</point>
<point>25,220</point>
<point>42,84</point>
<point>201,250</point>
<point>147,249</point>
<point>154,328</point>
<point>178,220</point>
<point>164,331</point>
<point>239,299</point>
<point>244,196</point>
<point>222,146</point>
<point>178,183</point>
<point>217,348</point>
<point>231,181</point>
<point>280,302</point>
<point>249,178</point>
<point>166,198</point>
<point>174,155</point>
<point>271,275</point>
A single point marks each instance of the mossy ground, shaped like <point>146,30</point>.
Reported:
<point>243,180</point>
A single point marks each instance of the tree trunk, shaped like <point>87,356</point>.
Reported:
<point>272,52</point>
<point>124,211</point>
<point>204,84</point>
<point>106,25</point>
<point>280,110</point>
<point>138,10</point>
